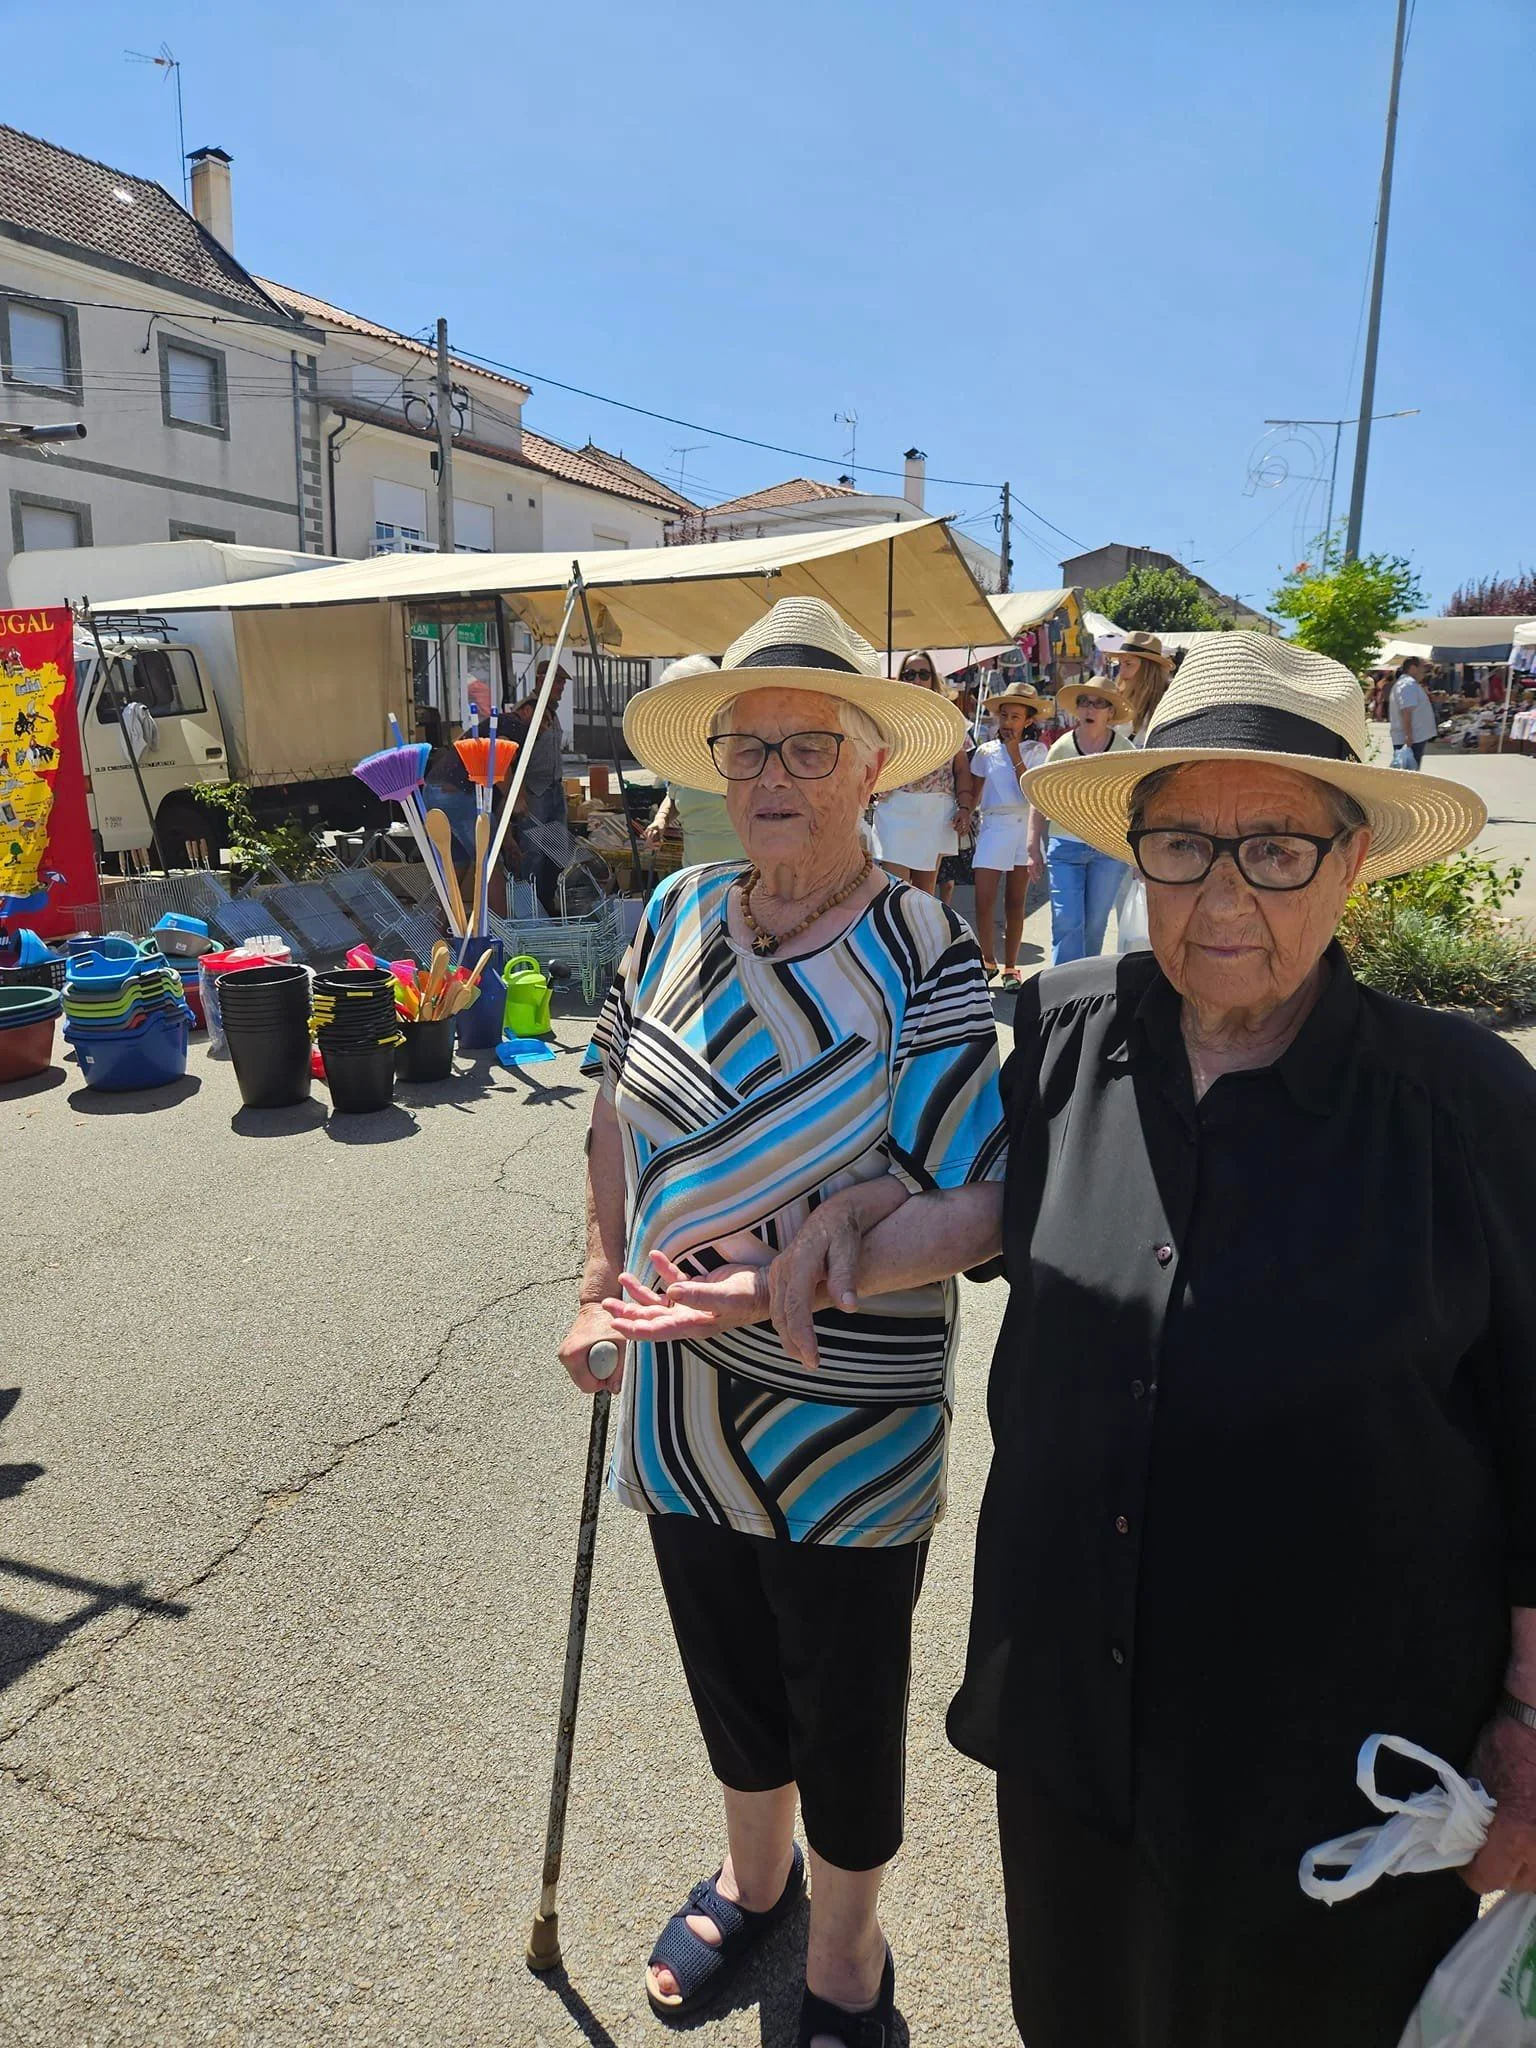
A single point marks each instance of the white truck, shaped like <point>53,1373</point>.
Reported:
<point>268,729</point>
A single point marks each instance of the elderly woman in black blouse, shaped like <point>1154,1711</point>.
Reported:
<point>1263,1405</point>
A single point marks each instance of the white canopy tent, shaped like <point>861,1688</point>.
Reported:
<point>1449,641</point>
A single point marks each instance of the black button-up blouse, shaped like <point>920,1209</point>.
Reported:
<point>1263,1409</point>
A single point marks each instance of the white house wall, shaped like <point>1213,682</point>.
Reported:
<point>136,477</point>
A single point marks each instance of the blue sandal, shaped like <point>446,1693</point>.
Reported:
<point>702,1971</point>
<point>872,2029</point>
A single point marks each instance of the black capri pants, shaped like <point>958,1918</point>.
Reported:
<point>798,1657</point>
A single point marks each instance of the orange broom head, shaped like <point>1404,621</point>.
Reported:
<point>476,756</point>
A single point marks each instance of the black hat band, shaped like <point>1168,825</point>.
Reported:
<point>1257,727</point>
<point>795,654</point>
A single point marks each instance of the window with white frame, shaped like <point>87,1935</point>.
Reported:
<point>473,530</point>
<point>399,518</point>
<point>41,346</point>
<point>193,390</point>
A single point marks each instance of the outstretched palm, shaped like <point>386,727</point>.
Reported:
<point>725,1299</point>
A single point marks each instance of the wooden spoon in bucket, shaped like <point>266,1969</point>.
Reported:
<point>440,832</point>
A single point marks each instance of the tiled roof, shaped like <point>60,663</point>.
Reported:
<point>601,471</point>
<point>323,314</point>
<point>593,468</point>
<point>45,190</point>
<point>797,491</point>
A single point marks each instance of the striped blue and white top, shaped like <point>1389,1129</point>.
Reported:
<point>748,1090</point>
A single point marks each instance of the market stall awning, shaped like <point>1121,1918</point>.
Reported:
<point>1020,609</point>
<point>1450,640</point>
<point>907,580</point>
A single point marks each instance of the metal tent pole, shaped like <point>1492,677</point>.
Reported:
<point>598,661</point>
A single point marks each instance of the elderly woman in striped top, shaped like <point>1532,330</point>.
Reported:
<point>783,1031</point>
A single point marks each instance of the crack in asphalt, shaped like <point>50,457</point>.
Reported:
<point>35,1777</point>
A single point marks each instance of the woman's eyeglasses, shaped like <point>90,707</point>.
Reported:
<point>807,756</point>
<point>917,675</point>
<point>1093,704</point>
<point>1266,860</point>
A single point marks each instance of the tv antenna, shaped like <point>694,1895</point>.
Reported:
<point>683,454</point>
<point>850,420</point>
<point>170,65</point>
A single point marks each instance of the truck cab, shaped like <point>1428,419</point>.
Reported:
<point>144,666</point>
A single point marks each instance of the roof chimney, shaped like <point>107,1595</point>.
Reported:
<point>916,472</point>
<point>211,202</point>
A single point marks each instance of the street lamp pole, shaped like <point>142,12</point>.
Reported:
<point>1338,426</point>
<point>1378,276</point>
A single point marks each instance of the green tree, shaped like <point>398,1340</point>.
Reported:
<point>1343,608</point>
<point>1154,601</point>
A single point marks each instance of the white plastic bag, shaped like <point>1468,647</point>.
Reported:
<point>1405,757</point>
<point>1484,1994</point>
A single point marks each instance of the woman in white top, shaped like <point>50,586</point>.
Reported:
<point>1002,840</point>
<point>917,825</point>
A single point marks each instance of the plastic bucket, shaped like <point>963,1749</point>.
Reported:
<point>427,1054</point>
<point>360,1081</point>
<point>140,1059</point>
<point>480,1025</point>
<point>27,1005</point>
<point>26,1048</point>
<point>271,1061</point>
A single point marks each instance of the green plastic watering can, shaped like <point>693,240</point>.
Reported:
<point>527,1009</point>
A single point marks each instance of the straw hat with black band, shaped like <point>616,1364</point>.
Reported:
<point>1249,696</point>
<point>801,644</point>
<point>1145,647</point>
<point>1020,693</point>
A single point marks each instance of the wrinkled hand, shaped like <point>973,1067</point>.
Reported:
<point>652,835</point>
<point>822,1256</point>
<point>1505,1761</point>
<point>726,1299</point>
<point>592,1325</point>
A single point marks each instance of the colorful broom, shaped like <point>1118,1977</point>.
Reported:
<point>395,773</point>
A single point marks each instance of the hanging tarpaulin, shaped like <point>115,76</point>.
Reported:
<point>47,859</point>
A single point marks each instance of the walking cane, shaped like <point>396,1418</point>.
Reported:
<point>544,1941</point>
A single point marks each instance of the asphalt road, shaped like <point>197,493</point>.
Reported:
<point>287,1504</point>
<point>289,1498</point>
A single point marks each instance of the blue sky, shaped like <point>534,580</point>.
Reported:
<point>1086,245</point>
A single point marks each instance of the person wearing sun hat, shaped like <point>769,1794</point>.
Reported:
<point>1002,852</point>
<point>1084,882</point>
<point>1264,1399</point>
<point>780,1033</point>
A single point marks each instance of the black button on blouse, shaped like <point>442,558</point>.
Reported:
<point>1325,1271</point>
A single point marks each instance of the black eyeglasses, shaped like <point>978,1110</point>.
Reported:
<point>1266,860</point>
<point>917,675</point>
<point>807,756</point>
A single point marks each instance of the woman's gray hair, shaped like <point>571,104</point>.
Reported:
<point>863,731</point>
<point>1348,816</point>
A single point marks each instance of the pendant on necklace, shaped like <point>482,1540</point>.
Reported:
<point>765,945</point>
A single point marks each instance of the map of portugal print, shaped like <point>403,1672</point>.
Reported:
<point>47,861</point>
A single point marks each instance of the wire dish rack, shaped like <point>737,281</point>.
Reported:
<point>590,946</point>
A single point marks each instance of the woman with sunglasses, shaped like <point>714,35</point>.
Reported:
<point>915,827</point>
<point>1084,882</point>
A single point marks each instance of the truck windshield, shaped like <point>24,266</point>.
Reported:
<point>164,679</point>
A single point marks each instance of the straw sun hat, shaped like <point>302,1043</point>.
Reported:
<point>801,644</point>
<point>1091,686</point>
<point>1252,696</point>
<point>1146,646</point>
<point>1019,693</point>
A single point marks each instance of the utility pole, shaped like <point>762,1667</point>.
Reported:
<point>1338,426</point>
<point>1006,526</point>
<point>1378,275</point>
<point>444,443</point>
<point>447,635</point>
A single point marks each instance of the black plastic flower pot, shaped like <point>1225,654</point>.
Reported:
<point>427,1054</point>
<point>271,1061</point>
<point>360,1081</point>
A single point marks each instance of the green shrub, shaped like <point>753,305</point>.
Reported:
<point>290,847</point>
<point>1436,936</point>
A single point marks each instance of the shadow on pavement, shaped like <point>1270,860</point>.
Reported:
<point>133,1101</point>
<point>587,2023</point>
<point>308,1115</point>
<point>25,1641</point>
<point>372,1127</point>
<point>36,1084</point>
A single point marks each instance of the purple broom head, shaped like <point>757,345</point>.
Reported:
<point>396,771</point>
